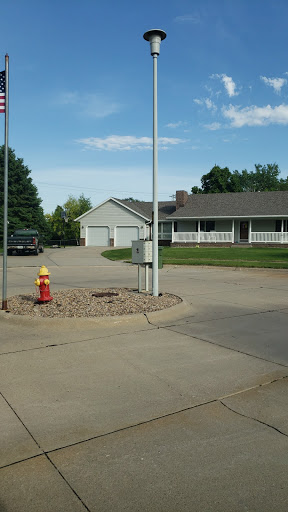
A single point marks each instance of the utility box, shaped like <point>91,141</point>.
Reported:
<point>141,251</point>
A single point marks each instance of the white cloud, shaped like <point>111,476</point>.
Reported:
<point>188,18</point>
<point>213,126</point>
<point>207,102</point>
<point>91,105</point>
<point>276,83</point>
<point>176,125</point>
<point>210,105</point>
<point>229,84</point>
<point>126,143</point>
<point>169,140</point>
<point>256,116</point>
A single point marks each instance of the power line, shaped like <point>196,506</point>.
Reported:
<point>95,189</point>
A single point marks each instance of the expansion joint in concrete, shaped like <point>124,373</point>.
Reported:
<point>66,482</point>
<point>22,423</point>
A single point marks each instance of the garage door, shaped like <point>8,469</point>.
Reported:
<point>98,236</point>
<point>125,235</point>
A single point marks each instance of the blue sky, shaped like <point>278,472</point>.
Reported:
<point>81,92</point>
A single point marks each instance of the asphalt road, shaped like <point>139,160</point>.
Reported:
<point>165,413</point>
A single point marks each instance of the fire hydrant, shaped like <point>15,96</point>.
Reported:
<point>43,282</point>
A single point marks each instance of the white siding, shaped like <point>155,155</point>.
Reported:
<point>112,214</point>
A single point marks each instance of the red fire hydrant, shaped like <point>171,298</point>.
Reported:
<point>43,282</point>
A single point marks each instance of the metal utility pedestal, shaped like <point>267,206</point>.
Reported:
<point>146,266</point>
<point>142,256</point>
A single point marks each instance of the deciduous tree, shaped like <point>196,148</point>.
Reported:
<point>74,207</point>
<point>221,180</point>
<point>216,181</point>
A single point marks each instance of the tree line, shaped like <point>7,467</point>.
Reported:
<point>221,180</point>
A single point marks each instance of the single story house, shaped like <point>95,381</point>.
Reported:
<point>222,219</point>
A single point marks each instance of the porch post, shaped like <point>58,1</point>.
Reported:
<point>249,232</point>
<point>198,237</point>
<point>282,230</point>
<point>233,231</point>
<point>172,237</point>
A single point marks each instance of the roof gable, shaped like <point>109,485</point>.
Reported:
<point>141,208</point>
<point>122,203</point>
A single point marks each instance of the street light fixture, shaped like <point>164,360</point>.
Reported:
<point>155,36</point>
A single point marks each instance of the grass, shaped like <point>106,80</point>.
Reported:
<point>226,257</point>
<point>118,254</point>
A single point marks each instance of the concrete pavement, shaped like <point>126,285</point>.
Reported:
<point>179,413</point>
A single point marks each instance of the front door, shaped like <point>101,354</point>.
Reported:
<point>244,231</point>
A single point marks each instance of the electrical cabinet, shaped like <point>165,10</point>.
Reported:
<point>141,251</point>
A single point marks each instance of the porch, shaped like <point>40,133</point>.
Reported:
<point>230,231</point>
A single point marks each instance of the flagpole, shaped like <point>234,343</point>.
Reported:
<point>5,216</point>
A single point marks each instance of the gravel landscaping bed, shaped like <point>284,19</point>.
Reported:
<point>87,302</point>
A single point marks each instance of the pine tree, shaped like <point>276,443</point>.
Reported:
<point>24,204</point>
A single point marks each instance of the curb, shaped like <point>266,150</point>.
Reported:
<point>139,319</point>
<point>170,314</point>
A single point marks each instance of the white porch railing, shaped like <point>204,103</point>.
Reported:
<point>279,238</point>
<point>195,237</point>
<point>218,237</point>
<point>185,237</point>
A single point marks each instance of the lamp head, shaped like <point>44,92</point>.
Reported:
<point>155,36</point>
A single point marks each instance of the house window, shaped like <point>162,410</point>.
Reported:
<point>210,225</point>
<point>164,230</point>
<point>167,227</point>
<point>206,225</point>
<point>278,224</point>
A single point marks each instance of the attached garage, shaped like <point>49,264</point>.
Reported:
<point>113,223</point>
<point>98,236</point>
<point>125,235</point>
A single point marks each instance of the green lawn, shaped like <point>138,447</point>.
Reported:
<point>227,257</point>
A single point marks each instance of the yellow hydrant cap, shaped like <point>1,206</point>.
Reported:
<point>43,271</point>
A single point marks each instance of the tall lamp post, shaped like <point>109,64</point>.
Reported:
<point>155,36</point>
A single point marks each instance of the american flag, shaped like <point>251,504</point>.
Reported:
<point>2,92</point>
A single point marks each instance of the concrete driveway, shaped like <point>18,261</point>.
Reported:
<point>170,413</point>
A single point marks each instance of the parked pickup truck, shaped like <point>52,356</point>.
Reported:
<point>25,240</point>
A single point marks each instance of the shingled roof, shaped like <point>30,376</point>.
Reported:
<point>239,204</point>
<point>165,208</point>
